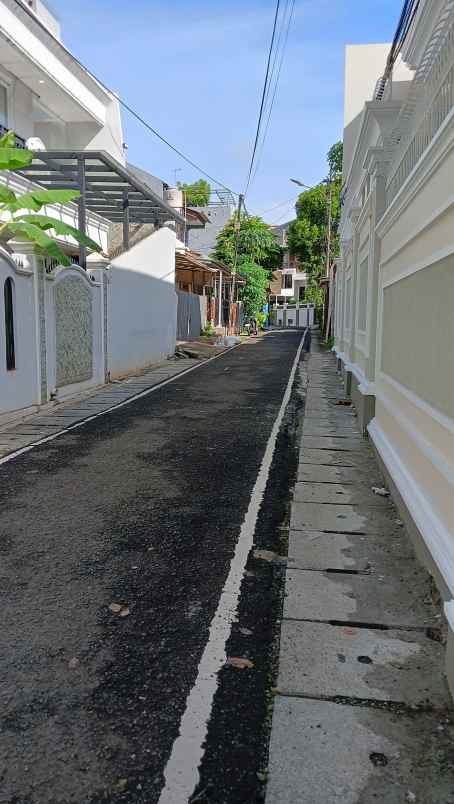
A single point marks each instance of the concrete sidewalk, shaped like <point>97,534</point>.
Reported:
<point>362,711</point>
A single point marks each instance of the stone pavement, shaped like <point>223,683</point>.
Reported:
<point>54,418</point>
<point>362,710</point>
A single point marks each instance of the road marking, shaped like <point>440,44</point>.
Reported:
<point>182,770</point>
<point>76,426</point>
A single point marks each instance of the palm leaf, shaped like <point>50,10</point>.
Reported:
<point>36,235</point>
<point>44,223</point>
<point>14,158</point>
<point>36,199</point>
<point>6,195</point>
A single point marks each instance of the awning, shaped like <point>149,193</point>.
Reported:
<point>106,188</point>
<point>108,185</point>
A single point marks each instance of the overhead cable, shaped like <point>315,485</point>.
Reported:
<point>262,103</point>
<point>123,103</point>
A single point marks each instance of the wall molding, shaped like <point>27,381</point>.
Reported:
<point>436,536</point>
<point>433,455</point>
<point>435,153</point>
<point>418,230</point>
<point>419,403</point>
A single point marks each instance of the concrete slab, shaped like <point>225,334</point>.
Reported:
<point>328,753</point>
<point>333,457</point>
<point>340,518</point>
<point>321,660</point>
<point>353,444</point>
<point>329,428</point>
<point>340,494</point>
<point>341,597</point>
<point>339,474</point>
<point>382,554</point>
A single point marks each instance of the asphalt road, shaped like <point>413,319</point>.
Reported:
<point>141,510</point>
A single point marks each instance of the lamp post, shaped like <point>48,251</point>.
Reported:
<point>301,184</point>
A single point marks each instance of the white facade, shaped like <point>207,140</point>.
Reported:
<point>72,329</point>
<point>45,94</point>
<point>394,324</point>
<point>142,304</point>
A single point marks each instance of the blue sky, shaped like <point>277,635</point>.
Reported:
<point>194,69</point>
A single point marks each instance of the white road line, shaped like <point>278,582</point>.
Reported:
<point>76,426</point>
<point>182,770</point>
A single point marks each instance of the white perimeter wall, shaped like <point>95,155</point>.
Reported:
<point>142,304</point>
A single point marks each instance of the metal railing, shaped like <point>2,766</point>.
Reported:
<point>431,122</point>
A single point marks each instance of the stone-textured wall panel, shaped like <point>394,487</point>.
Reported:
<point>74,331</point>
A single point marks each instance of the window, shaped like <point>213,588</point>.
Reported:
<point>9,325</point>
<point>302,293</point>
<point>3,106</point>
<point>287,280</point>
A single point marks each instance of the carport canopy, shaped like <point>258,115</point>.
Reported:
<point>106,188</point>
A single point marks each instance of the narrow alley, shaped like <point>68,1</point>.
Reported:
<point>117,539</point>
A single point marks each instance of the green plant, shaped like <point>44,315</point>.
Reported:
<point>261,318</point>
<point>33,227</point>
<point>208,329</point>
<point>255,242</point>
<point>196,194</point>
<point>254,293</point>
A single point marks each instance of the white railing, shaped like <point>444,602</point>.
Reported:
<point>431,122</point>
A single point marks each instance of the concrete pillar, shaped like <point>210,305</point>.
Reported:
<point>378,203</point>
<point>354,216</point>
<point>220,300</point>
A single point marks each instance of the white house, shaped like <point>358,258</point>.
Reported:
<point>64,330</point>
<point>394,286</point>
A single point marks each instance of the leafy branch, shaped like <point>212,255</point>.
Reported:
<point>15,217</point>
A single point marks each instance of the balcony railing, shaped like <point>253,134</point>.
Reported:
<point>431,122</point>
<point>19,142</point>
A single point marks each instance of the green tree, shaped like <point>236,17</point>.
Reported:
<point>335,156</point>
<point>307,235</point>
<point>197,194</point>
<point>14,222</point>
<point>254,293</point>
<point>255,241</point>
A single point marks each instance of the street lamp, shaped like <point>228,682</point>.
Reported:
<point>301,184</point>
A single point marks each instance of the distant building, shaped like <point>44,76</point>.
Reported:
<point>288,282</point>
<point>219,211</point>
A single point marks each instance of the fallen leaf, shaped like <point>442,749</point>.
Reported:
<point>240,663</point>
<point>264,555</point>
<point>73,663</point>
<point>121,784</point>
<point>410,796</point>
<point>125,612</point>
<point>245,631</point>
<point>115,608</point>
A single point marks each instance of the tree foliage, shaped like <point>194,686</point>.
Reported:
<point>255,242</point>
<point>335,155</point>
<point>307,235</point>
<point>254,293</point>
<point>33,227</point>
<point>196,194</point>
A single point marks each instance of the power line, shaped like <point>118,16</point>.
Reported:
<point>123,103</point>
<point>284,47</point>
<point>283,203</point>
<point>265,85</point>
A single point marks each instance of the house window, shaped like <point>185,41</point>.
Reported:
<point>287,280</point>
<point>3,106</point>
<point>302,293</point>
<point>9,325</point>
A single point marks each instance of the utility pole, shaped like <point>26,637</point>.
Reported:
<point>237,226</point>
